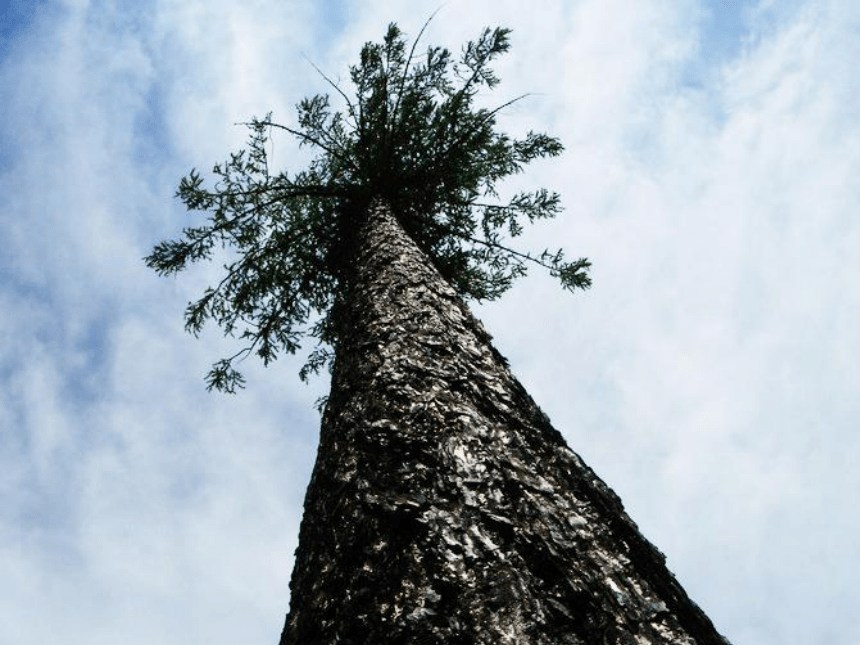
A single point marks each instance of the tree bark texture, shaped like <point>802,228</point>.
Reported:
<point>444,507</point>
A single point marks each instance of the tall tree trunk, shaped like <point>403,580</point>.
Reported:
<point>444,507</point>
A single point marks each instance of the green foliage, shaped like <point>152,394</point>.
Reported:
<point>411,136</point>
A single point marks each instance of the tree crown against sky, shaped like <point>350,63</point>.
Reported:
<point>410,135</point>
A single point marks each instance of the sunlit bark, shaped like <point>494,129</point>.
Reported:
<point>444,507</point>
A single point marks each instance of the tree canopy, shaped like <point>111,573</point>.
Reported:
<point>409,133</point>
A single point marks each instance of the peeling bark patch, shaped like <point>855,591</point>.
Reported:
<point>444,507</point>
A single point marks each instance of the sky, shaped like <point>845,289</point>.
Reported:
<point>710,376</point>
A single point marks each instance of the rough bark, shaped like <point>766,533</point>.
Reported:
<point>444,507</point>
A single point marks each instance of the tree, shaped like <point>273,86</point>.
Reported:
<point>443,507</point>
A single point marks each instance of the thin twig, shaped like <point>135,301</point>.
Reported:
<point>336,87</point>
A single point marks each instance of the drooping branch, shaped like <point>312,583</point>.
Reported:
<point>557,268</point>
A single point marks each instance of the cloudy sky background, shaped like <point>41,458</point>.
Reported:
<point>710,376</point>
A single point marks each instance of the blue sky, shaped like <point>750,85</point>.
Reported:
<point>17,15</point>
<point>710,376</point>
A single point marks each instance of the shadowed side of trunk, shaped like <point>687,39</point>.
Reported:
<point>444,507</point>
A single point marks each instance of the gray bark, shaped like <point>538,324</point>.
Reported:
<point>444,507</point>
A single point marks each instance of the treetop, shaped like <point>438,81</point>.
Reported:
<point>409,134</point>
